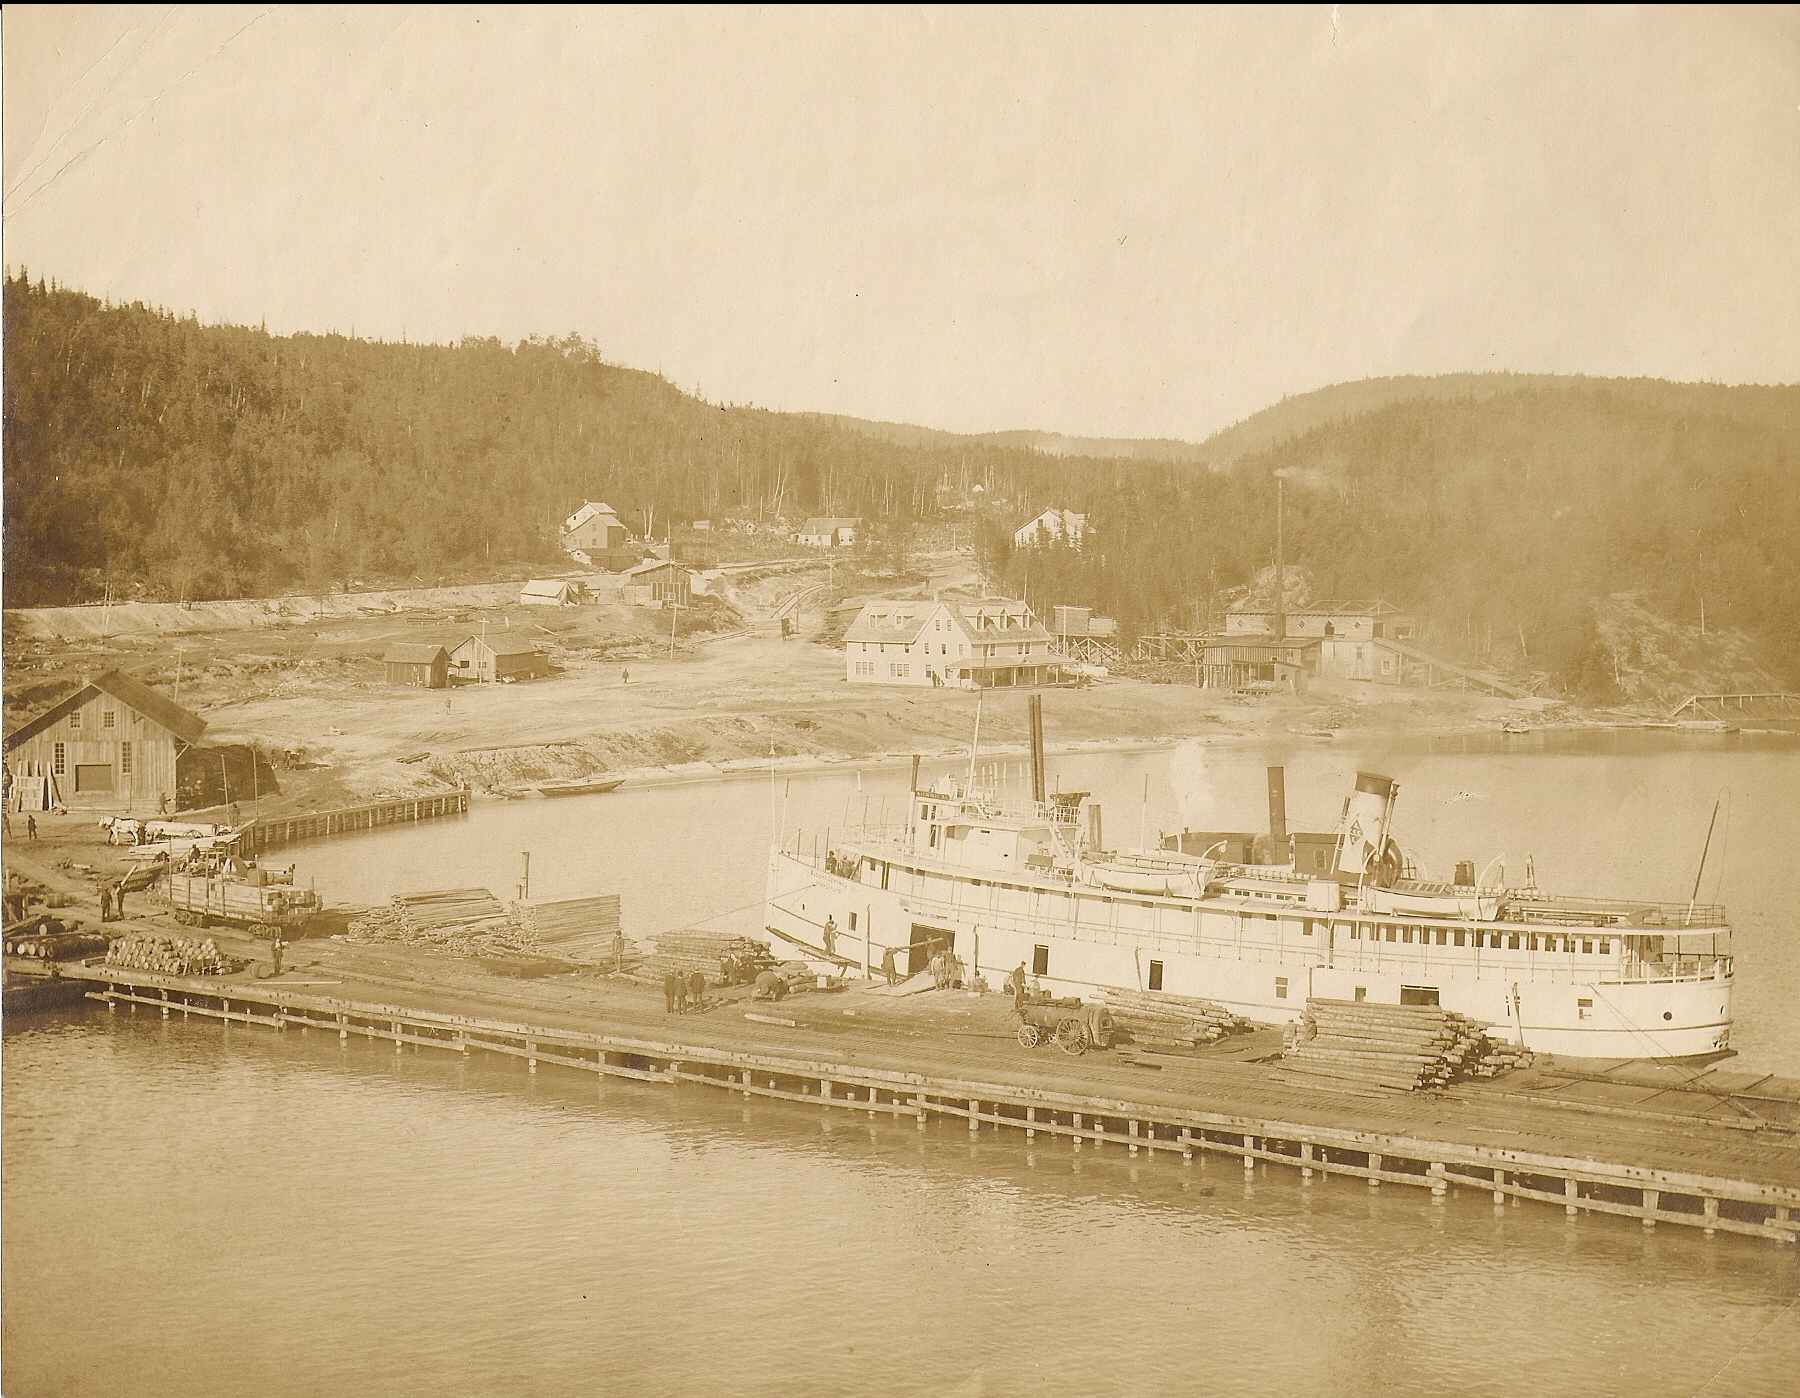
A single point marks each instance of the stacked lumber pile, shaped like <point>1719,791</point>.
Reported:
<point>461,921</point>
<point>1497,1057</point>
<point>692,949</point>
<point>1156,1019</point>
<point>172,956</point>
<point>576,929</point>
<point>1406,1047</point>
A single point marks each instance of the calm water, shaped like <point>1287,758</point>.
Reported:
<point>196,1210</point>
<point>191,1210</point>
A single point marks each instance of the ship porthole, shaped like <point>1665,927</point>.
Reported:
<point>1667,1014</point>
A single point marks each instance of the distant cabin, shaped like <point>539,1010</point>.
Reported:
<point>115,742</point>
<point>418,665</point>
<point>965,645</point>
<point>658,582</point>
<point>553,592</point>
<point>596,537</point>
<point>496,659</point>
<point>1051,527</point>
<point>1259,662</point>
<point>1356,621</point>
<point>594,526</point>
<point>1081,621</point>
<point>823,532</point>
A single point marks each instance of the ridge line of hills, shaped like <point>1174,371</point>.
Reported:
<point>150,456</point>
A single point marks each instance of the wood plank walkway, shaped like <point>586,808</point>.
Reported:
<point>276,831</point>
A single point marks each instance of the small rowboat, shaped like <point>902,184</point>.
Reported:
<point>581,788</point>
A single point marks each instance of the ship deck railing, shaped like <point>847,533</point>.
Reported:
<point>1614,912</point>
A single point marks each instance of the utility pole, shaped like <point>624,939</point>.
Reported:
<point>1280,576</point>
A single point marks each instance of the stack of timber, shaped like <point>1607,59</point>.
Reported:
<point>691,950</point>
<point>172,956</point>
<point>461,921</point>
<point>1406,1047</point>
<point>1156,1019</point>
<point>577,929</point>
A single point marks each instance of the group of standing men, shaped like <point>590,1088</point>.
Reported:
<point>681,993</point>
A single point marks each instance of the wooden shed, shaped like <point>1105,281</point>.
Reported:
<point>113,743</point>
<point>418,665</point>
<point>659,583</point>
<point>501,658</point>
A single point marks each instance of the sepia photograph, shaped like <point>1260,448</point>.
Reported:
<point>948,702</point>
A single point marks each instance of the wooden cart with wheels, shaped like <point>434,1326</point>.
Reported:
<point>1069,1024</point>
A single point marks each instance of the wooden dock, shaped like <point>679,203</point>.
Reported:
<point>1703,1176</point>
<point>270,834</point>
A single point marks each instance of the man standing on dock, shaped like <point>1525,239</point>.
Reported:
<point>887,967</point>
<point>670,982</point>
<point>276,947</point>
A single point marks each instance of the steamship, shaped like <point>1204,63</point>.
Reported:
<point>1255,923</point>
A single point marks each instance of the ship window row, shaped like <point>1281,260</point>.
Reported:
<point>1495,941</point>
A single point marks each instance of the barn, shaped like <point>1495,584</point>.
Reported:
<point>113,743</point>
<point>492,659</point>
<point>416,664</point>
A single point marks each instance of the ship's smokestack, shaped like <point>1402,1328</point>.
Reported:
<point>1366,813</point>
<point>915,784</point>
<point>1037,748</point>
<point>1093,811</point>
<point>1278,833</point>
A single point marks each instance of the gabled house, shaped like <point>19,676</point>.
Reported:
<point>417,664</point>
<point>498,658</point>
<point>823,532</point>
<point>1052,526</point>
<point>594,526</point>
<point>968,645</point>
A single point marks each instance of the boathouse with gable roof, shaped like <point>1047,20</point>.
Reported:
<point>115,742</point>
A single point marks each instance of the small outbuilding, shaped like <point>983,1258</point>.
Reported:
<point>418,665</point>
<point>496,659</point>
<point>659,583</point>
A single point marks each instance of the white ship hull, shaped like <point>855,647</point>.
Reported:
<point>1582,991</point>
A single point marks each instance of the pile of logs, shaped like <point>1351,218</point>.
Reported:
<point>172,956</point>
<point>462,921</point>
<point>691,950</point>
<point>1155,1019</point>
<point>1406,1047</point>
<point>578,929</point>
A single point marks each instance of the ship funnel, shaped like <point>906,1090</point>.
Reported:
<point>1366,814</point>
<point>1037,748</point>
<point>1278,808</point>
<point>1093,810</point>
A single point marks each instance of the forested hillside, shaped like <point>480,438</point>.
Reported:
<point>1500,518</point>
<point>145,450</point>
<point>148,455</point>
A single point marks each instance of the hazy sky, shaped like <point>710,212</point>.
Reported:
<point>1122,222</point>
